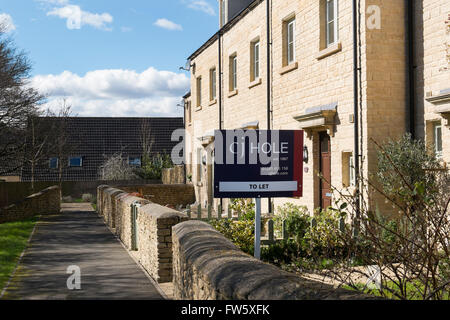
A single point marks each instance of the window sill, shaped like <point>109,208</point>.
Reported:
<point>198,108</point>
<point>255,83</point>
<point>232,93</point>
<point>289,68</point>
<point>334,48</point>
<point>212,102</point>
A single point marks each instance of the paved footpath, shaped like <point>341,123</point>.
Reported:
<point>78,237</point>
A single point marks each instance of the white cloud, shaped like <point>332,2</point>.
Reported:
<point>116,92</point>
<point>7,22</point>
<point>167,24</point>
<point>126,29</point>
<point>76,18</point>
<point>202,5</point>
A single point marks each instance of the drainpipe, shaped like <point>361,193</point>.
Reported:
<point>269,200</point>
<point>219,39</point>
<point>410,105</point>
<point>355,105</point>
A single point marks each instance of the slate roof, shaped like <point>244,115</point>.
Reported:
<point>95,139</point>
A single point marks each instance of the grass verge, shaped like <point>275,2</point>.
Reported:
<point>13,240</point>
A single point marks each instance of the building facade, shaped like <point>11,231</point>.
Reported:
<point>314,76</point>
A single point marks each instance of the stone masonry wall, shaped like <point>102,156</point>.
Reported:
<point>173,194</point>
<point>173,175</point>
<point>154,229</point>
<point>46,201</point>
<point>206,265</point>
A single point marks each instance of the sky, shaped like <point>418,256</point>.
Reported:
<point>110,57</point>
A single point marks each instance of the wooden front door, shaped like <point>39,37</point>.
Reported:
<point>325,170</point>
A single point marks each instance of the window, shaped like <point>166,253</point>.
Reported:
<point>53,163</point>
<point>291,41</point>
<point>212,84</point>
<point>199,91</point>
<point>233,72</point>
<point>438,139</point>
<point>75,161</point>
<point>332,26</point>
<point>135,161</point>
<point>188,112</point>
<point>348,169</point>
<point>254,58</point>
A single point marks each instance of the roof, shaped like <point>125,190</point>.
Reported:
<point>225,28</point>
<point>95,139</point>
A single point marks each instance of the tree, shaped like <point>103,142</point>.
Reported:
<point>116,168</point>
<point>18,102</point>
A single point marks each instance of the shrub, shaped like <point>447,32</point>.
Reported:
<point>87,197</point>
<point>296,219</point>
<point>152,167</point>
<point>244,208</point>
<point>241,232</point>
<point>67,199</point>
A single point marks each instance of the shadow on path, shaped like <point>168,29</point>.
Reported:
<point>78,237</point>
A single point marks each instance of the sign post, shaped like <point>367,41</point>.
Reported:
<point>258,164</point>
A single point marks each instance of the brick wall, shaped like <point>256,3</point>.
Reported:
<point>206,265</point>
<point>46,201</point>
<point>173,175</point>
<point>154,228</point>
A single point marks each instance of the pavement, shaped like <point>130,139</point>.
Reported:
<point>78,238</point>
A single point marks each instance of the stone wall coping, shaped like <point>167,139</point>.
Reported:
<point>159,212</point>
<point>127,199</point>
<point>236,275</point>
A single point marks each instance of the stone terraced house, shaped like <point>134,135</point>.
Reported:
<point>313,75</point>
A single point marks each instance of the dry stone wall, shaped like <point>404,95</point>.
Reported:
<point>206,265</point>
<point>153,228</point>
<point>46,201</point>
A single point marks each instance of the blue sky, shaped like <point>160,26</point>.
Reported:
<point>111,57</point>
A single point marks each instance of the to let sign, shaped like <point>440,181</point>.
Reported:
<point>258,163</point>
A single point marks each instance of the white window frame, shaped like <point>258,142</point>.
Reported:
<point>437,127</point>
<point>255,60</point>
<point>212,84</point>
<point>76,157</point>
<point>334,22</point>
<point>290,43</point>
<point>233,82</point>
<point>199,91</point>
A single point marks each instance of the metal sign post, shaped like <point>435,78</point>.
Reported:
<point>257,253</point>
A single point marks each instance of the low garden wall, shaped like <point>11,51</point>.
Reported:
<point>153,228</point>
<point>206,265</point>
<point>166,194</point>
<point>173,175</point>
<point>46,201</point>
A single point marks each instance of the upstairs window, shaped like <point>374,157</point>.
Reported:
<point>53,163</point>
<point>75,161</point>
<point>188,112</point>
<point>135,162</point>
<point>289,40</point>
<point>438,139</point>
<point>212,84</point>
<point>199,91</point>
<point>233,72</point>
<point>332,25</point>
<point>254,60</point>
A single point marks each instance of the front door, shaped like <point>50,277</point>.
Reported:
<point>325,170</point>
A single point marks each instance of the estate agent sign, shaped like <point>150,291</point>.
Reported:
<point>258,163</point>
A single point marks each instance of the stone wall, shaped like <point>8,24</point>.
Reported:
<point>153,224</point>
<point>175,175</point>
<point>206,265</point>
<point>46,201</point>
<point>173,194</point>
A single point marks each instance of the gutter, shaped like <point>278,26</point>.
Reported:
<point>355,106</point>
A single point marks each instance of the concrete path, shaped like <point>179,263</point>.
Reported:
<point>78,237</point>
